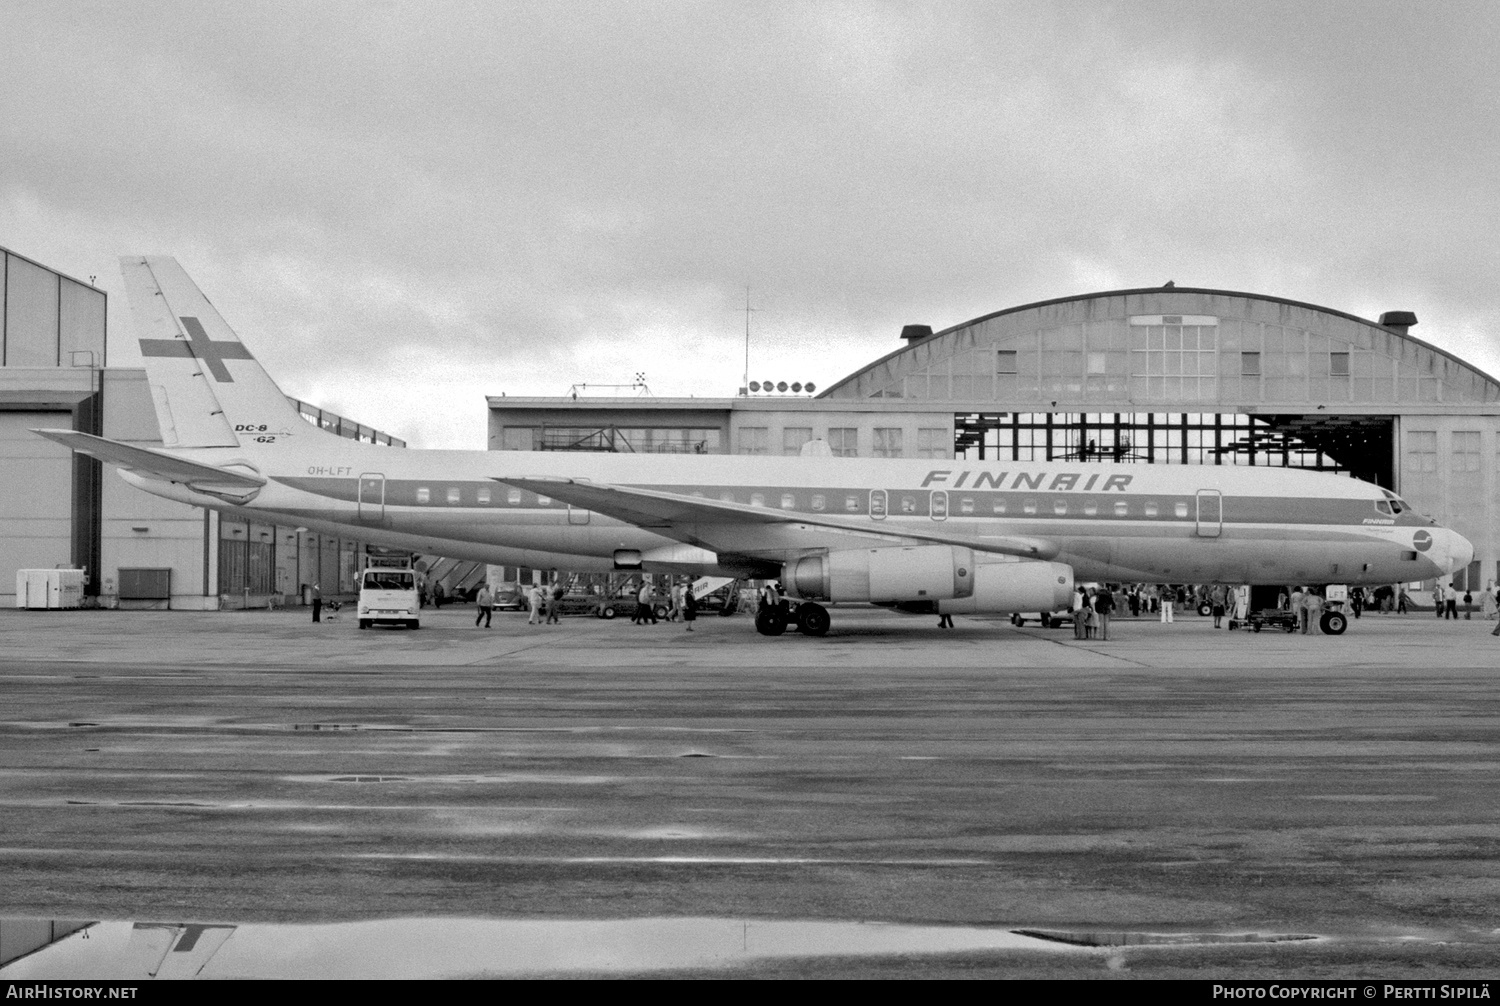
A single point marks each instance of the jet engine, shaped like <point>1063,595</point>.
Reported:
<point>920,572</point>
<point>948,574</point>
<point>1015,585</point>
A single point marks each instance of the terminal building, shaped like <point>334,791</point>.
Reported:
<point>1169,375</point>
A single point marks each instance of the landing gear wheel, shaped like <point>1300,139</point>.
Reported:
<point>1205,609</point>
<point>1333,623</point>
<point>608,611</point>
<point>770,621</point>
<point>414,625</point>
<point>813,620</point>
<point>364,623</point>
<point>1015,619</point>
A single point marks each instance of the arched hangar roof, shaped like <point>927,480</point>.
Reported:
<point>1174,349</point>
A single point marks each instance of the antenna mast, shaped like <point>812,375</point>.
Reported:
<point>745,382</point>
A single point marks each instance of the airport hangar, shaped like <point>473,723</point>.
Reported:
<point>1169,375</point>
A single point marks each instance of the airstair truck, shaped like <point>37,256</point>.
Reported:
<point>388,594</point>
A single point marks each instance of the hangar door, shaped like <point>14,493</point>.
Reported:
<point>36,497</point>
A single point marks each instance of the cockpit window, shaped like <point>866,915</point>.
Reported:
<point>1396,503</point>
<point>1383,507</point>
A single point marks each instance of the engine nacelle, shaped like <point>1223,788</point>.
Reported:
<point>1022,585</point>
<point>916,573</point>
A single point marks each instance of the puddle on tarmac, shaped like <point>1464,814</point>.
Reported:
<point>1124,939</point>
<point>453,948</point>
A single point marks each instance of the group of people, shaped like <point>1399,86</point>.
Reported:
<point>1091,611</point>
<point>680,604</point>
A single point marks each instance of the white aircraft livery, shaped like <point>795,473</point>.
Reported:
<point>933,535</point>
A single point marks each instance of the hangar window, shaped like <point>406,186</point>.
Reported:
<point>513,497</point>
<point>1338,364</point>
<point>1421,451</point>
<point>1122,509</point>
<point>888,442</point>
<point>1029,506</point>
<point>788,501</point>
<point>1151,509</point>
<point>424,495</point>
<point>934,442</point>
<point>754,440</point>
<point>484,495</point>
<point>792,439</point>
<point>1174,356</point>
<point>1180,509</point>
<point>455,494</point>
<point>1465,451</point>
<point>1097,362</point>
<point>1005,361</point>
<point>844,441</point>
<point>1250,364</point>
<point>819,501</point>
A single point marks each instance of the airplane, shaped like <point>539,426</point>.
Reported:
<point>945,536</point>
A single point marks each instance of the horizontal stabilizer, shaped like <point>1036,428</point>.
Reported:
<point>665,512</point>
<point>153,463</point>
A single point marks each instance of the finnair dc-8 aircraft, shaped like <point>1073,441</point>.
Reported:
<point>944,536</point>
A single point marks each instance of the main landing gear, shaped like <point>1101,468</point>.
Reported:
<point>809,619</point>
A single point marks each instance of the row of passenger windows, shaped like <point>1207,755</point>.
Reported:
<point>1061,506</point>
<point>483,496</point>
<point>854,503</point>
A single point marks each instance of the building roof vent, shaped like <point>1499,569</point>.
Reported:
<point>1398,321</point>
<point>913,333</point>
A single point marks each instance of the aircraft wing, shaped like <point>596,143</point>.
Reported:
<point>691,518</point>
<point>153,463</point>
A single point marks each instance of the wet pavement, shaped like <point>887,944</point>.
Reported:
<point>250,769</point>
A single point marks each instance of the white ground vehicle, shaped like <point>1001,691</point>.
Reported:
<point>389,595</point>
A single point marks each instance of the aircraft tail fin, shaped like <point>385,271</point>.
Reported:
<point>208,389</point>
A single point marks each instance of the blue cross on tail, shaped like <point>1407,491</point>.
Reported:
<point>199,347</point>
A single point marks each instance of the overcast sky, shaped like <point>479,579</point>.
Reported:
<point>405,207</point>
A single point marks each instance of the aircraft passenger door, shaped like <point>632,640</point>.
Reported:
<point>877,504</point>
<point>372,496</point>
<point>1210,513</point>
<point>938,507</point>
<point>577,515</point>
